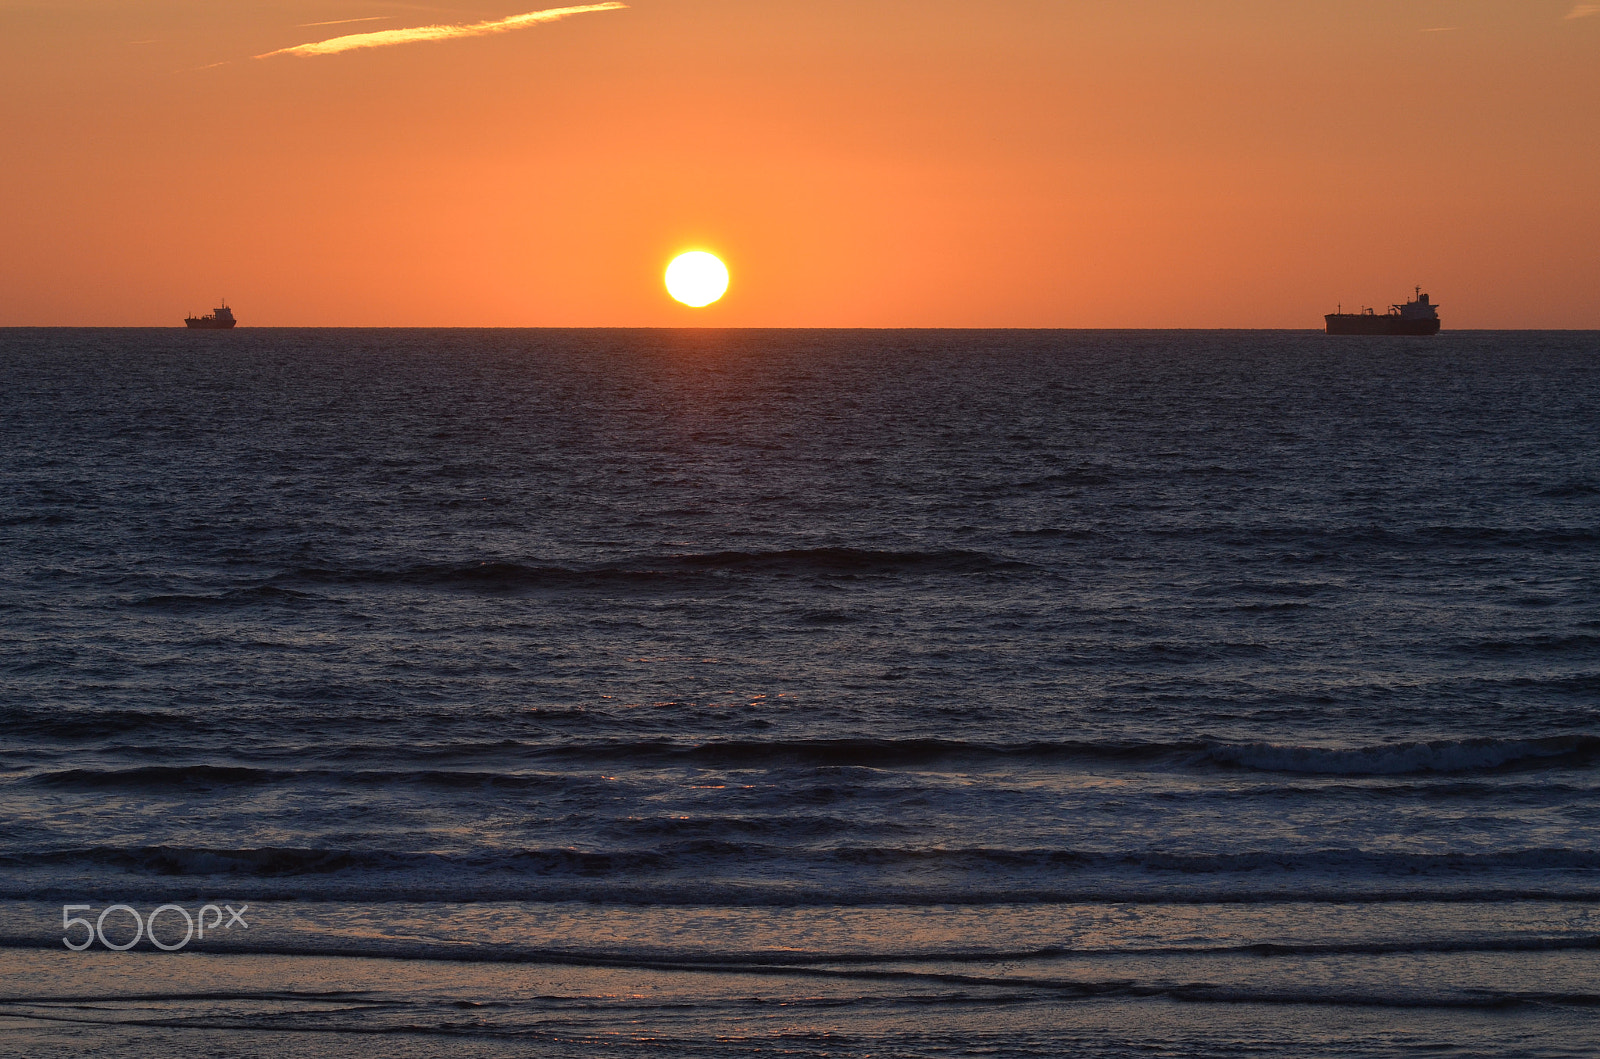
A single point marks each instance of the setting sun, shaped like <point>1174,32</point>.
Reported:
<point>697,278</point>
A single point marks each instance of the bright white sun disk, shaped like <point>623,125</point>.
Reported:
<point>697,278</point>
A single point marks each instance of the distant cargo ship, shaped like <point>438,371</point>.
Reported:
<point>1416,317</point>
<point>221,316</point>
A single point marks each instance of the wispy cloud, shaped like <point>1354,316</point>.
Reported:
<point>1583,10</point>
<point>345,21</point>
<point>384,37</point>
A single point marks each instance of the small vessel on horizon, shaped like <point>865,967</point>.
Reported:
<point>1418,316</point>
<point>220,317</point>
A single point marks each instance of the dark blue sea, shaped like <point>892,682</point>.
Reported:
<point>799,693</point>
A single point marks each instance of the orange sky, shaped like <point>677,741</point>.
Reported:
<point>1029,163</point>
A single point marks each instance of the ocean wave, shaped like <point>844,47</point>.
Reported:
<point>548,1019</point>
<point>248,596</point>
<point>1016,868</point>
<point>159,777</point>
<point>1569,490</point>
<point>1542,644</point>
<point>633,953</point>
<point>1396,759</point>
<point>1514,536</point>
<point>1020,973</point>
<point>1338,540</point>
<point>664,570</point>
<point>1413,758</point>
<point>736,894</point>
<point>1452,757</point>
<point>86,724</point>
<point>851,561</point>
<point>165,777</point>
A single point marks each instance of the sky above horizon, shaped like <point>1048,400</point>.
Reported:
<point>1014,163</point>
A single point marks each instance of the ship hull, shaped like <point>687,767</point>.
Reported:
<point>1373,324</point>
<point>208,324</point>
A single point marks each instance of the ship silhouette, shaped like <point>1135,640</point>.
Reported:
<point>1418,316</point>
<point>220,317</point>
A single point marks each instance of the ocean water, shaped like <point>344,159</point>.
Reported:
<point>799,693</point>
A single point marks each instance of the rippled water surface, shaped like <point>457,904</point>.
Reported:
<point>802,693</point>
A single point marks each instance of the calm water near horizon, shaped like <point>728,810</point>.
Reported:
<point>800,693</point>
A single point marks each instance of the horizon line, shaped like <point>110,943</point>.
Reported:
<point>749,327</point>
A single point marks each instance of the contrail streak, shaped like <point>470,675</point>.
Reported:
<point>342,21</point>
<point>385,37</point>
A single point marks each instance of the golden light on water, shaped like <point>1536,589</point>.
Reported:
<point>697,278</point>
